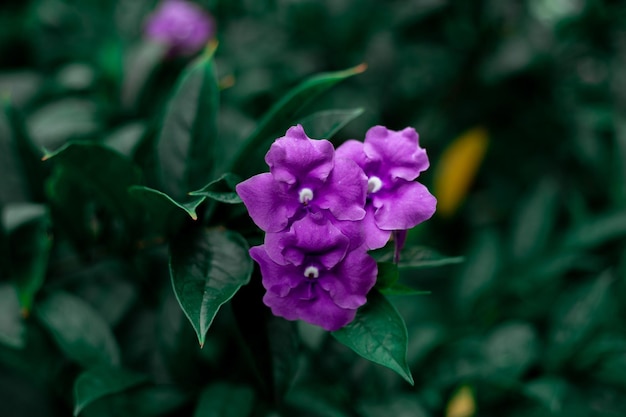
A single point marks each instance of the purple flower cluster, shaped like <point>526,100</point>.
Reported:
<point>182,26</point>
<point>322,210</point>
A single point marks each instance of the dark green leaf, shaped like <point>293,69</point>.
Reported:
<point>101,171</point>
<point>511,349</point>
<point>126,138</point>
<point>281,116</point>
<point>549,391</point>
<point>225,400</point>
<point>163,213</point>
<point>29,248</point>
<point>534,220</point>
<point>30,156</point>
<point>78,330</point>
<point>416,257</point>
<point>480,270</point>
<point>188,146</point>
<point>319,400</point>
<point>324,124</point>
<point>56,123</point>
<point>576,315</point>
<point>12,329</point>
<point>402,405</point>
<point>221,189</point>
<point>378,333</point>
<point>207,268</point>
<point>14,185</point>
<point>401,289</point>
<point>597,231</point>
<point>140,63</point>
<point>388,275</point>
<point>101,381</point>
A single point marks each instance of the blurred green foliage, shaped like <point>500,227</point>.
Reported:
<point>532,321</point>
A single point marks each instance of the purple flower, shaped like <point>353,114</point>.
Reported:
<point>309,274</point>
<point>182,26</point>
<point>305,178</point>
<point>392,160</point>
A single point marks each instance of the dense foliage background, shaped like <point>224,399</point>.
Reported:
<point>522,108</point>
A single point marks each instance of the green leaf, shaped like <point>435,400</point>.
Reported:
<point>188,146</point>
<point>416,257</point>
<point>401,289</point>
<point>222,399</point>
<point>576,315</point>
<point>99,170</point>
<point>221,189</point>
<point>101,381</point>
<point>29,248</point>
<point>140,62</point>
<point>398,405</point>
<point>163,212</point>
<point>14,185</point>
<point>534,220</point>
<point>207,268</point>
<point>78,330</point>
<point>56,123</point>
<point>281,116</point>
<point>388,275</point>
<point>597,231</point>
<point>326,123</point>
<point>30,157</point>
<point>511,349</point>
<point>12,328</point>
<point>270,343</point>
<point>378,333</point>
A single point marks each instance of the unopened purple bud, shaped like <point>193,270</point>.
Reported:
<point>183,27</point>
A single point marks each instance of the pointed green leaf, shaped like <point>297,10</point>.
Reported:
<point>163,213</point>
<point>534,220</point>
<point>597,231</point>
<point>14,185</point>
<point>101,171</point>
<point>207,268</point>
<point>187,147</point>
<point>416,257</point>
<point>12,328</point>
<point>221,189</point>
<point>222,399</point>
<point>388,275</point>
<point>30,156</point>
<point>576,315</point>
<point>401,289</point>
<point>324,124</point>
<point>281,116</point>
<point>78,330</point>
<point>101,381</point>
<point>379,334</point>
<point>29,248</point>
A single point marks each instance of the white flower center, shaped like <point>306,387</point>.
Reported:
<point>374,184</point>
<point>306,195</point>
<point>311,272</point>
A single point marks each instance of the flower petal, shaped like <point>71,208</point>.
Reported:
<point>406,206</point>
<point>344,192</point>
<point>375,237</point>
<point>351,280</point>
<point>295,158</point>
<point>320,310</point>
<point>353,150</point>
<point>397,152</point>
<point>268,204</point>
<point>280,279</point>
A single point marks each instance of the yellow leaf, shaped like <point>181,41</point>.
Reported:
<point>457,168</point>
<point>462,403</point>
